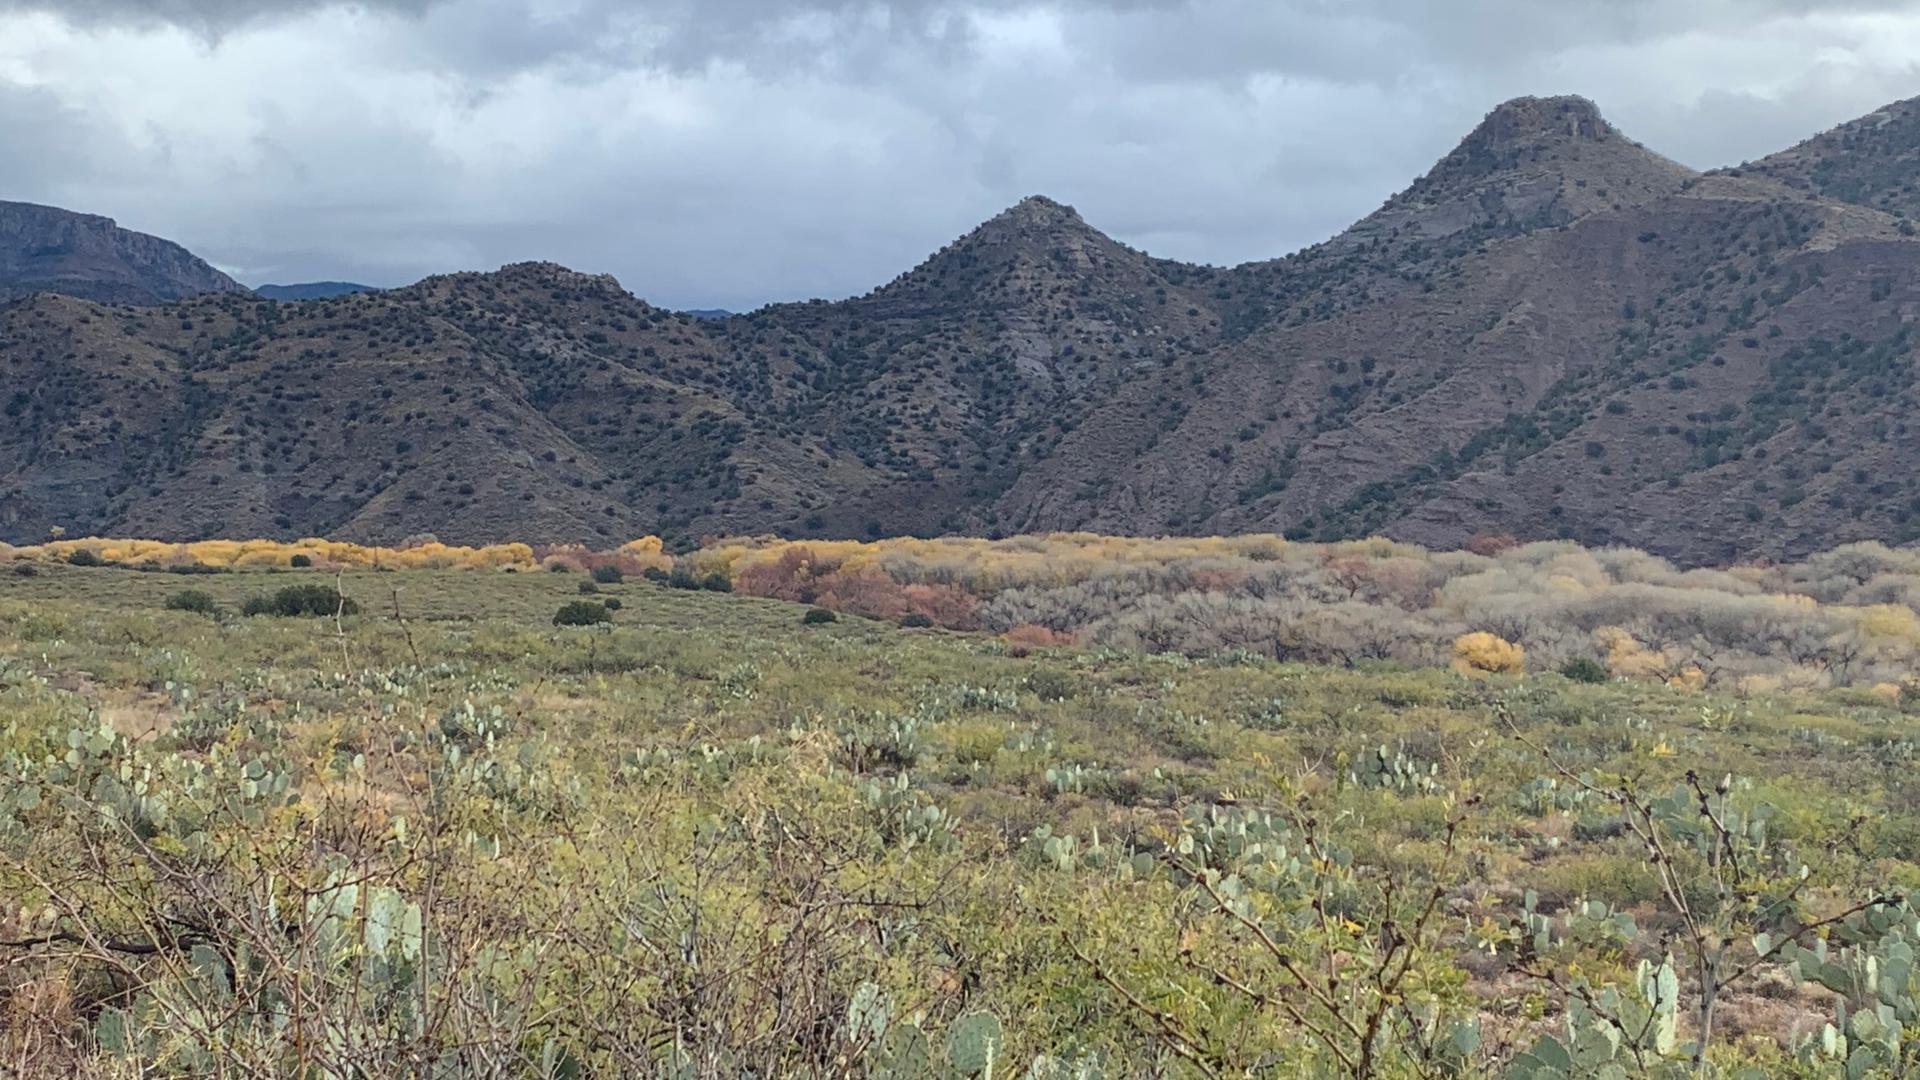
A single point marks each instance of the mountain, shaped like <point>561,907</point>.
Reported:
<point>1555,332</point>
<point>1580,339</point>
<point>43,249</point>
<point>1873,161</point>
<point>709,313</point>
<point>312,290</point>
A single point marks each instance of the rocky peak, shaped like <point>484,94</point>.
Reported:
<point>1532,162</point>
<point>1526,118</point>
<point>1038,212</point>
<point>1034,232</point>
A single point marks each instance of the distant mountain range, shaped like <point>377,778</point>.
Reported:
<point>1555,332</point>
<point>312,290</point>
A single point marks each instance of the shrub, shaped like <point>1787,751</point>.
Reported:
<point>559,568</point>
<point>25,569</point>
<point>817,616</point>
<point>1585,669</point>
<point>300,562</point>
<point>608,575</point>
<point>868,591</point>
<point>193,600</point>
<point>611,603</point>
<point>1031,634</point>
<point>296,601</point>
<point>916,620</point>
<point>83,557</point>
<point>716,582</point>
<point>1049,684</point>
<point>656,575</point>
<point>582,613</point>
<point>1484,652</point>
<point>589,587</point>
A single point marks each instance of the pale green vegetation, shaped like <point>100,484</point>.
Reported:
<point>441,836</point>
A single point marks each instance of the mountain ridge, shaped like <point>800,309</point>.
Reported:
<point>1554,332</point>
<point>45,248</point>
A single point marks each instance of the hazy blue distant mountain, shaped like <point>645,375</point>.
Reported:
<point>313,290</point>
<point>709,313</point>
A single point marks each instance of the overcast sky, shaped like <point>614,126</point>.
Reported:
<point>727,153</point>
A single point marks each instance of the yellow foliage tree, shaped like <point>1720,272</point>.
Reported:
<point>1484,653</point>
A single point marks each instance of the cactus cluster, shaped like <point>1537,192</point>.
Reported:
<point>1396,772</point>
<point>1873,972</point>
<point>974,1046</point>
<point>879,741</point>
<point>1074,778</point>
<point>940,702</point>
<point>1587,923</point>
<point>903,816</point>
<point>1610,1032</point>
<point>1544,795</point>
<point>1064,852</point>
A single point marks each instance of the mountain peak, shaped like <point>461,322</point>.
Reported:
<point>1533,162</point>
<point>1039,210</point>
<point>1566,116</point>
<point>1035,230</point>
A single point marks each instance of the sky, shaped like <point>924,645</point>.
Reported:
<point>731,153</point>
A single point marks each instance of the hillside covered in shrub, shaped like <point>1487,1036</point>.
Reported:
<point>1556,333</point>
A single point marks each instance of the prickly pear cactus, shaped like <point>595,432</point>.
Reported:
<point>976,1045</point>
<point>1611,1035</point>
<point>1873,970</point>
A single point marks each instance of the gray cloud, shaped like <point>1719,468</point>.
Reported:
<point>731,152</point>
<point>202,16</point>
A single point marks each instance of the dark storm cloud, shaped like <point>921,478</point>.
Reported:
<point>730,152</point>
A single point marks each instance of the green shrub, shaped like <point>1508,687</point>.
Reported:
<point>608,575</point>
<point>1049,684</point>
<point>296,601</point>
<point>589,587</point>
<point>300,562</point>
<point>193,600</point>
<point>612,603</point>
<point>83,557</point>
<point>559,568</point>
<point>682,578</point>
<point>1585,669</point>
<point>817,616</point>
<point>582,613</point>
<point>915,619</point>
<point>25,569</point>
<point>656,575</point>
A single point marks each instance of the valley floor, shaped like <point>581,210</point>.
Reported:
<point>442,835</point>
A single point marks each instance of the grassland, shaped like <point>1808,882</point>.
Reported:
<point>709,840</point>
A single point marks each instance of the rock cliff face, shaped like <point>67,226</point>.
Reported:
<point>43,249</point>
